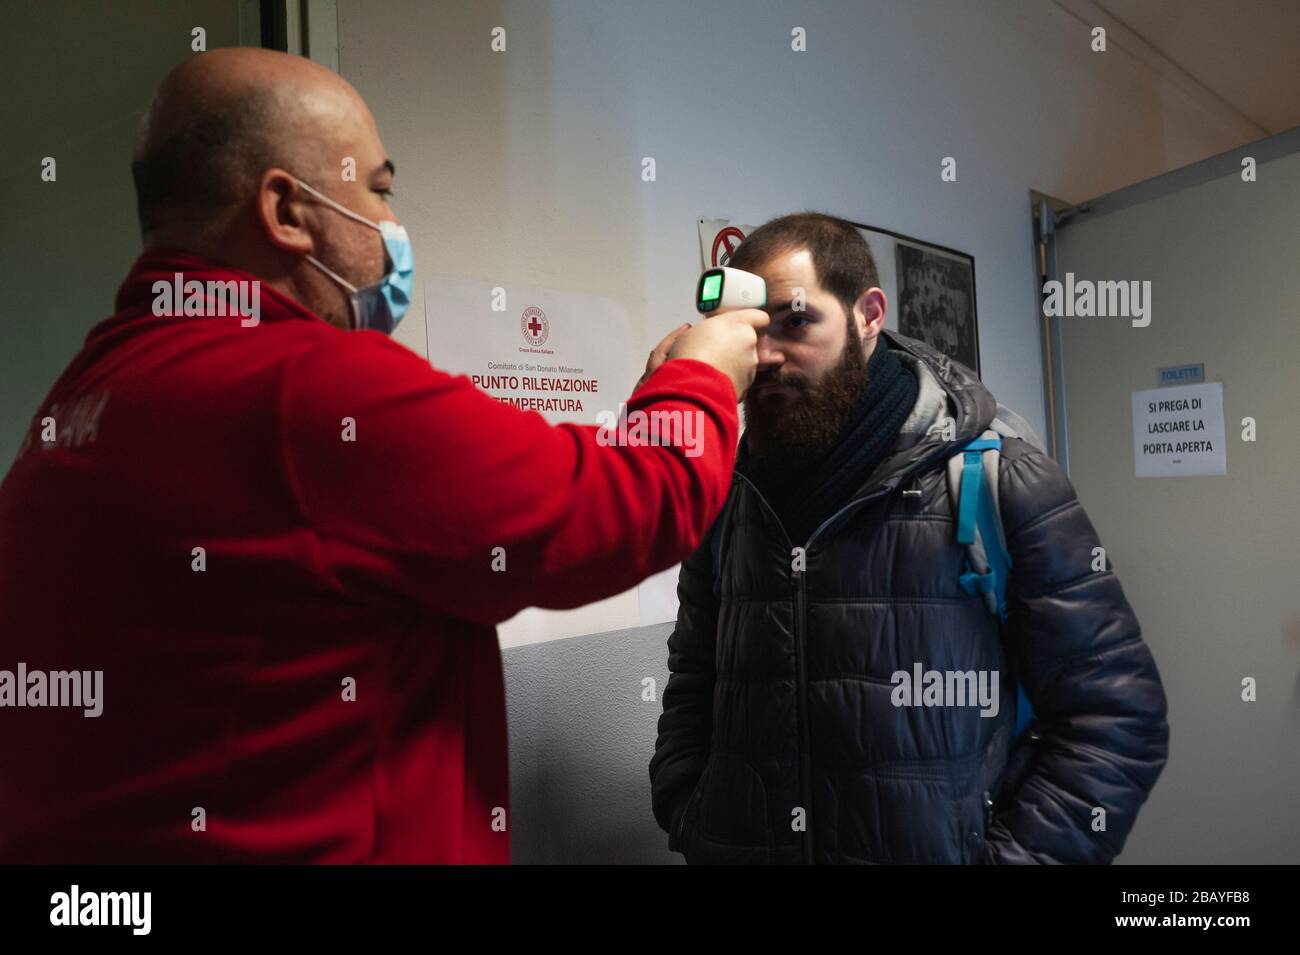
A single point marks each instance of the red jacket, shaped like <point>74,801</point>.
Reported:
<point>325,561</point>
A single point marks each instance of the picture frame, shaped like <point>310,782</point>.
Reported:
<point>933,288</point>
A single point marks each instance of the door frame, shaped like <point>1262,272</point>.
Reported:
<point>1050,215</point>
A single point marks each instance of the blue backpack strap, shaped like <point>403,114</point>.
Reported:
<point>976,510</point>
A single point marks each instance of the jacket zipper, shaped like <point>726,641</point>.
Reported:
<point>800,681</point>
<point>799,581</point>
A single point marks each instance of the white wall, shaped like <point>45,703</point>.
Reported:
<point>524,166</point>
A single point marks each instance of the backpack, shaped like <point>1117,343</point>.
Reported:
<point>973,490</point>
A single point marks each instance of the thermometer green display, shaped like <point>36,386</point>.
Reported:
<point>723,289</point>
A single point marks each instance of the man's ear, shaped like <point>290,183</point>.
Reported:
<point>869,313</point>
<point>281,210</point>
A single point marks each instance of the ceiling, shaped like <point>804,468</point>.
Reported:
<point>1246,52</point>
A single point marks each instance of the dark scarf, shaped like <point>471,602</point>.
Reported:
<point>806,493</point>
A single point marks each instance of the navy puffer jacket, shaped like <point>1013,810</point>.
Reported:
<point>780,740</point>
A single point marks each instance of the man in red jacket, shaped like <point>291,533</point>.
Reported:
<point>252,551</point>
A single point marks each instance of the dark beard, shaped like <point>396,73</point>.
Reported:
<point>799,430</point>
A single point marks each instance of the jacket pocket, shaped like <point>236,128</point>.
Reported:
<point>1019,765</point>
<point>678,841</point>
<point>726,819</point>
<point>901,819</point>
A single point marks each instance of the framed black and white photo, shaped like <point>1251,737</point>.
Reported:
<point>936,299</point>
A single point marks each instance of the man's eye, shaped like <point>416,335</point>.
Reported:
<point>386,193</point>
<point>795,321</point>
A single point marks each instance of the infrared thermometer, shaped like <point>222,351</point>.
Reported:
<point>724,289</point>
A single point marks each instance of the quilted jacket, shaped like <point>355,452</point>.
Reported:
<point>781,738</point>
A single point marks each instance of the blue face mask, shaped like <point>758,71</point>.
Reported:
<point>382,305</point>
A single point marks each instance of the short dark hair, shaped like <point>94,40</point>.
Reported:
<point>844,264</point>
<point>204,161</point>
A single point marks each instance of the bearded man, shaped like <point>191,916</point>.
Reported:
<point>835,568</point>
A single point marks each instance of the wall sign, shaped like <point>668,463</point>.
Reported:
<point>1178,432</point>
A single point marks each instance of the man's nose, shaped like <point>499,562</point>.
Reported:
<point>769,351</point>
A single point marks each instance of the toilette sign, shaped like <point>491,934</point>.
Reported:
<point>1178,432</point>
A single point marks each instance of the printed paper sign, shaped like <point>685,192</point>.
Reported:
<point>1178,432</point>
<point>718,240</point>
<point>561,354</point>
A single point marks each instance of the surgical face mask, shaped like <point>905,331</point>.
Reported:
<point>379,306</point>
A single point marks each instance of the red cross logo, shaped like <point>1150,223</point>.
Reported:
<point>534,325</point>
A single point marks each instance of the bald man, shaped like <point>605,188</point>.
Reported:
<point>252,551</point>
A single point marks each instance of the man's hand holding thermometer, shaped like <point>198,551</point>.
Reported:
<point>731,301</point>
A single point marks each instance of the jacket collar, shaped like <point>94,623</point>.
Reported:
<point>947,390</point>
